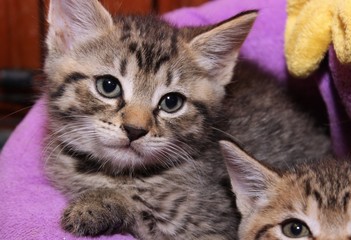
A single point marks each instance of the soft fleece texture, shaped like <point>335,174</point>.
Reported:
<point>30,208</point>
<point>312,25</point>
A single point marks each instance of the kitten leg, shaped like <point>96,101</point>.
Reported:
<point>98,211</point>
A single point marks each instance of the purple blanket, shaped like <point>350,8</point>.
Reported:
<point>30,208</point>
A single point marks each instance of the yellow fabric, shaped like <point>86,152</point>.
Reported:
<point>312,25</point>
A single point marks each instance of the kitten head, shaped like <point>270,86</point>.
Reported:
<point>311,201</point>
<point>135,91</point>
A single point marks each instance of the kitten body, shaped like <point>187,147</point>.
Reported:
<point>311,200</point>
<point>267,122</point>
<point>132,103</point>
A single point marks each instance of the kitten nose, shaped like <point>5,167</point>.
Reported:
<point>134,133</point>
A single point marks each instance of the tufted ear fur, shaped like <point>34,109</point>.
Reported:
<point>249,178</point>
<point>75,21</point>
<point>217,49</point>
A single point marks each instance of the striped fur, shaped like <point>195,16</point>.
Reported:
<point>316,193</point>
<point>126,163</point>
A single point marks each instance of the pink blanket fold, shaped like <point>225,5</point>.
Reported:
<point>30,208</point>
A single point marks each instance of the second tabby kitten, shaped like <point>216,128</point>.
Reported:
<point>311,200</point>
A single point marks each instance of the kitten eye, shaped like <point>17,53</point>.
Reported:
<point>295,228</point>
<point>172,102</point>
<point>108,86</point>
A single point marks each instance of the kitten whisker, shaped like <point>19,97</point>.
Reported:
<point>58,135</point>
<point>15,112</point>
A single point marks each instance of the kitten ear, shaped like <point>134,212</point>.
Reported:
<point>249,178</point>
<point>74,21</point>
<point>217,49</point>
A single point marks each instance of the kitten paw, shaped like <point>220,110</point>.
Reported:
<point>93,215</point>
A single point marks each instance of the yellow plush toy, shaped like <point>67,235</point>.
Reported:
<point>312,25</point>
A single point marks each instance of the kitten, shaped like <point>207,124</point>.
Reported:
<point>132,106</point>
<point>131,102</point>
<point>309,201</point>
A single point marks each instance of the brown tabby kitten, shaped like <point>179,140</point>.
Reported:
<point>132,103</point>
<point>309,201</point>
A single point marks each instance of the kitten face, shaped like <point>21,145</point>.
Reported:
<point>311,202</point>
<point>134,91</point>
<point>103,99</point>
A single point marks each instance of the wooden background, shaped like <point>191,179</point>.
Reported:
<point>22,31</point>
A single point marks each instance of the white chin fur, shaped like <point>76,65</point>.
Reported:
<point>125,155</point>
<point>117,149</point>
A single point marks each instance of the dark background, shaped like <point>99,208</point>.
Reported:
<point>22,32</point>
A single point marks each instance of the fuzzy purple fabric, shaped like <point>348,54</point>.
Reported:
<point>336,91</point>
<point>30,208</point>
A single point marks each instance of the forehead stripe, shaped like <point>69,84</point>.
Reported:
<point>169,78</point>
<point>126,32</point>
<point>123,67</point>
<point>318,198</point>
<point>346,200</point>
<point>139,58</point>
<point>162,60</point>
<point>174,42</point>
<point>132,47</point>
